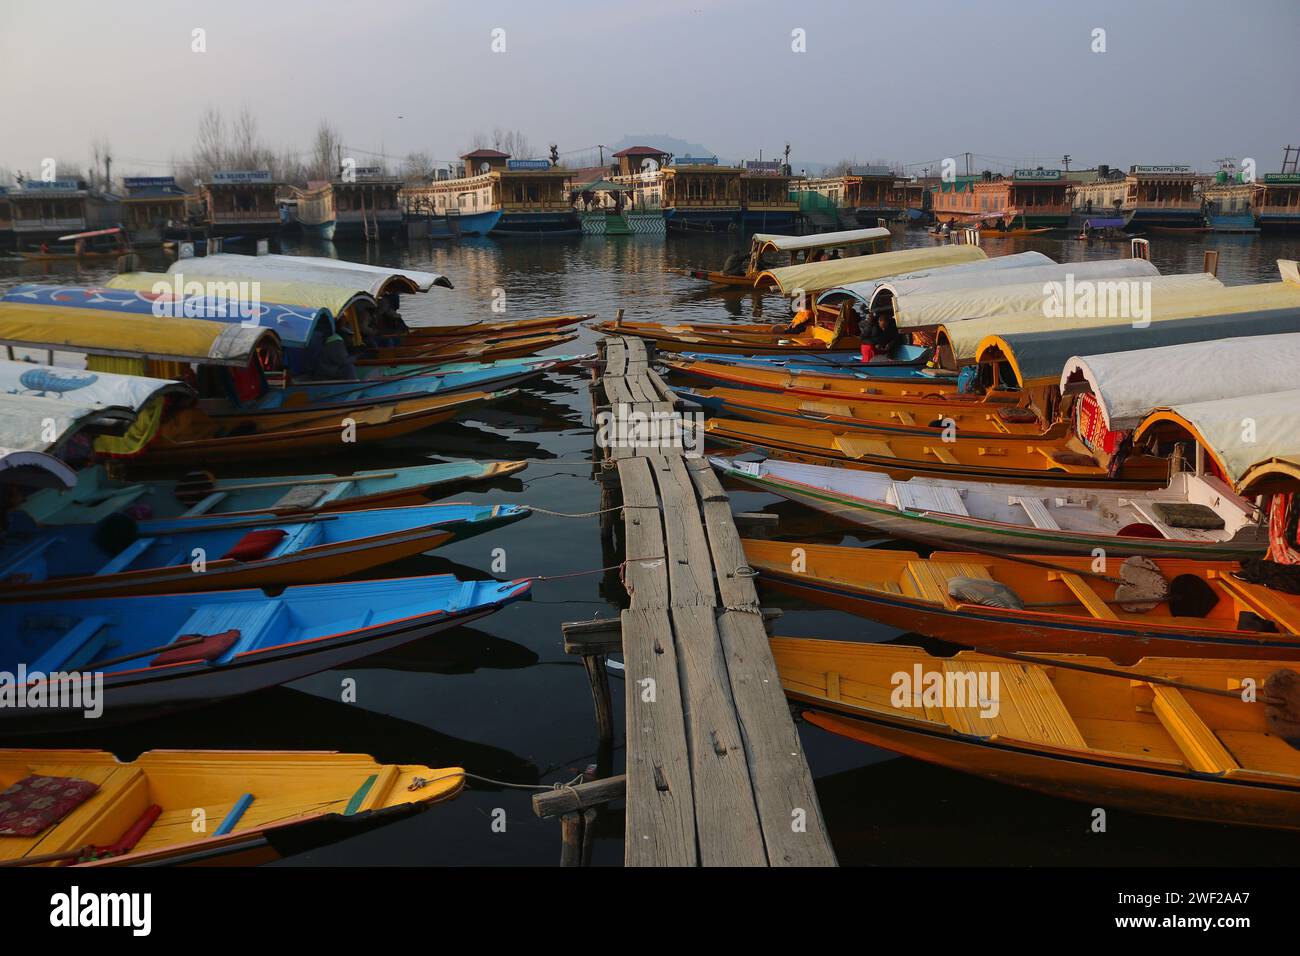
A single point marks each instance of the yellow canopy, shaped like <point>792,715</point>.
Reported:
<point>96,332</point>
<point>337,298</point>
<point>961,340</point>
<point>1270,476</point>
<point>815,276</point>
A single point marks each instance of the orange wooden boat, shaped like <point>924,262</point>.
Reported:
<point>466,350</point>
<point>507,327</point>
<point>749,339</point>
<point>1128,737</point>
<point>1063,611</point>
<point>857,387</point>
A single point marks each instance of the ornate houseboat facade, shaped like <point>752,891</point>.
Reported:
<point>1277,202</point>
<point>766,203</point>
<point>367,204</point>
<point>1163,197</point>
<point>155,208</point>
<point>698,195</point>
<point>241,203</point>
<point>1028,198</point>
<point>501,196</point>
<point>45,210</point>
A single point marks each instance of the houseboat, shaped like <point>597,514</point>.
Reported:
<point>45,210</point>
<point>314,210</point>
<point>1101,197</point>
<point>698,195</point>
<point>1163,197</point>
<point>452,205</point>
<point>1027,199</point>
<point>154,209</point>
<point>1229,205</point>
<point>1277,202</point>
<point>639,167</point>
<point>6,219</point>
<point>507,197</point>
<point>241,203</point>
<point>766,203</point>
<point>367,204</point>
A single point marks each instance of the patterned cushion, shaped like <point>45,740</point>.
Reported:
<point>37,802</point>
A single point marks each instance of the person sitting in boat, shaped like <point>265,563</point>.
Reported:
<point>737,264</point>
<point>326,356</point>
<point>835,254</point>
<point>881,334</point>
<point>389,324</point>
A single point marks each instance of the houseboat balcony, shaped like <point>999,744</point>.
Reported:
<point>549,217</point>
<point>23,224</point>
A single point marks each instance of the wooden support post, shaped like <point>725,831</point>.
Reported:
<point>618,319</point>
<point>598,677</point>
<point>571,835</point>
<point>580,796</point>
<point>588,834</point>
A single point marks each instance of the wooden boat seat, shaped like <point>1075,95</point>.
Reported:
<point>1205,753</point>
<point>72,642</point>
<point>825,408</point>
<point>1036,508</point>
<point>124,557</point>
<point>855,447</point>
<point>305,497</point>
<point>943,454</point>
<point>1029,708</point>
<point>206,505</point>
<point>1261,600</point>
<point>251,620</point>
<point>928,580</point>
<point>1090,599</point>
<point>912,497</point>
<point>902,416</point>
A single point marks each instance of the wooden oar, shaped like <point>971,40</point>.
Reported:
<point>110,661</point>
<point>213,488</point>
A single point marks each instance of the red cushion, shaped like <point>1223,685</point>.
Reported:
<point>256,544</point>
<point>210,648</point>
<point>868,352</point>
<point>1139,529</point>
<point>37,802</point>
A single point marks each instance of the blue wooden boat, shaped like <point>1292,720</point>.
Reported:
<point>552,363</point>
<point>908,361</point>
<point>170,650</point>
<point>96,495</point>
<point>120,556</point>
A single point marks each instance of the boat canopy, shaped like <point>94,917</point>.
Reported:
<point>1271,476</point>
<point>959,341</point>
<point>43,424</point>
<point>294,324</point>
<point>1127,385</point>
<point>763,241</point>
<point>933,301</point>
<point>1237,432</point>
<point>813,277</point>
<point>83,387</point>
<point>336,299</point>
<point>34,469</point>
<point>68,329</point>
<point>863,291</point>
<point>1048,356</point>
<point>376,280</point>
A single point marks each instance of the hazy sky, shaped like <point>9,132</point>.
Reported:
<point>1181,81</point>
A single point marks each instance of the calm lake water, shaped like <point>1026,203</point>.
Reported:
<point>503,700</point>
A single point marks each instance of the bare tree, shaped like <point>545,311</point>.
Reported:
<point>325,152</point>
<point>507,141</point>
<point>418,166</point>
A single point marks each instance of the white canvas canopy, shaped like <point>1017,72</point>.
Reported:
<point>810,277</point>
<point>34,469</point>
<point>30,423</point>
<point>819,240</point>
<point>1237,432</point>
<point>374,279</point>
<point>83,387</point>
<point>933,301</point>
<point>863,291</point>
<point>1127,385</point>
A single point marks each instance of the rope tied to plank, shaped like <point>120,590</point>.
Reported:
<point>621,567</point>
<point>420,783</point>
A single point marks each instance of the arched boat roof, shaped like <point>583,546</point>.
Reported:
<point>377,280</point>
<point>813,277</point>
<point>962,339</point>
<point>969,276</point>
<point>34,469</point>
<point>1127,385</point>
<point>1271,476</point>
<point>294,324</point>
<point>819,240</point>
<point>862,292</point>
<point>68,329</point>
<point>1219,426</point>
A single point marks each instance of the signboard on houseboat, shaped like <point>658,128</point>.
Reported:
<point>1282,177</point>
<point>62,185</point>
<point>148,182</point>
<point>1037,175</point>
<point>1160,169</point>
<point>528,164</point>
<point>235,176</point>
<point>695,161</point>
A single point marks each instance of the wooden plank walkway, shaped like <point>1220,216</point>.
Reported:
<point>716,774</point>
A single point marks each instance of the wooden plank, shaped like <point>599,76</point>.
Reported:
<point>690,564</point>
<point>794,832</point>
<point>724,540</point>
<point>659,828</point>
<point>665,393</point>
<point>646,573</point>
<point>726,817</point>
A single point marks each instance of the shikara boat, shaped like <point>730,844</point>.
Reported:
<point>1143,738</point>
<point>966,416</point>
<point>768,339</point>
<point>459,350</point>
<point>1033,460</point>
<point>191,436</point>
<point>1067,610</point>
<point>813,277</point>
<point>1196,516</point>
<point>120,556</point>
<point>547,363</point>
<point>80,251</point>
<point>96,495</point>
<point>545,323</point>
<point>854,385</point>
<point>907,361</point>
<point>770,251</point>
<point>256,806</point>
<point>170,650</point>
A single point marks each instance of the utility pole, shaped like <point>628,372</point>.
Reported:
<point>1065,161</point>
<point>602,153</point>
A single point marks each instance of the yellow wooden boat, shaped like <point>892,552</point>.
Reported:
<point>1065,610</point>
<point>833,387</point>
<point>970,416</point>
<point>1126,739</point>
<point>1050,459</point>
<point>212,807</point>
<point>545,323</point>
<point>190,436</point>
<point>743,338</point>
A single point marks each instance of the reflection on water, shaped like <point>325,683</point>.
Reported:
<point>503,700</point>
